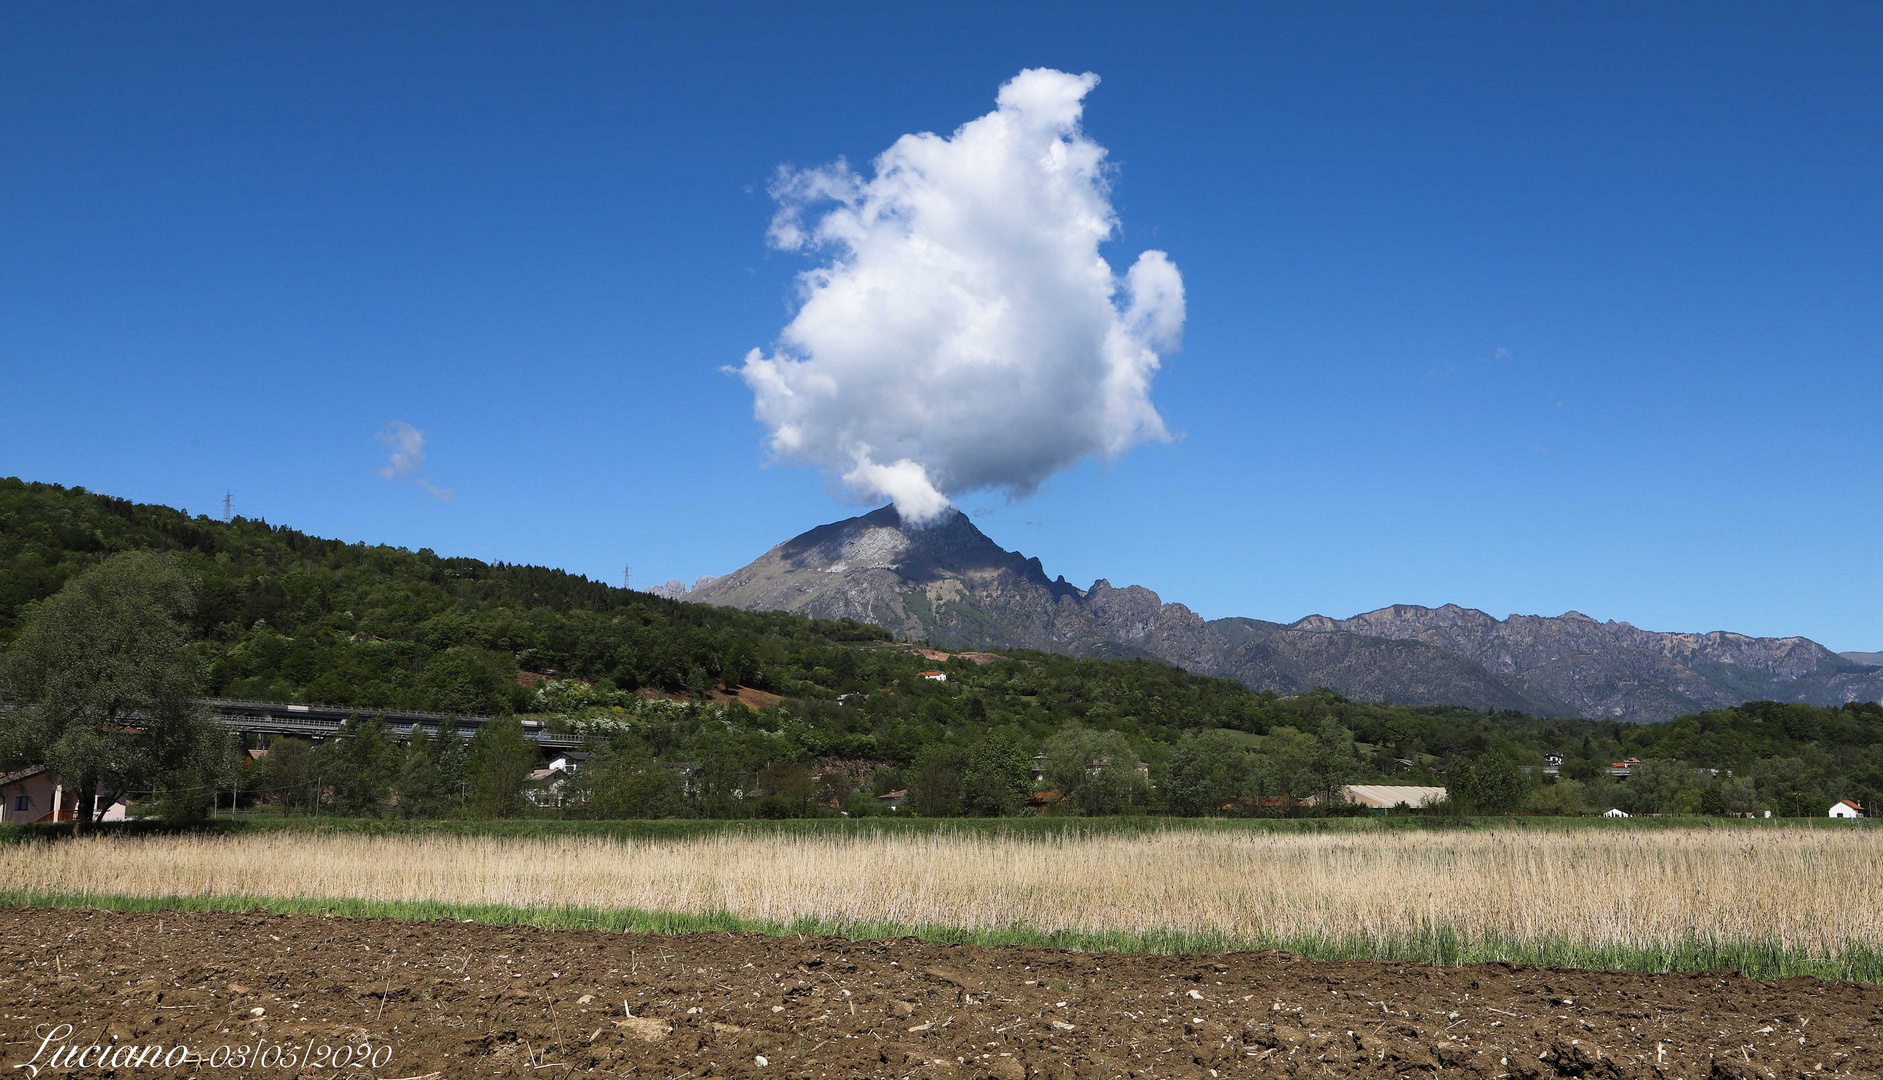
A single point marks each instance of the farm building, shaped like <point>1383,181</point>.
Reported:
<point>35,794</point>
<point>894,800</point>
<point>1844,808</point>
<point>1615,812</point>
<point>936,676</point>
<point>1387,796</point>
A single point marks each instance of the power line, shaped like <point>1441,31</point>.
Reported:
<point>228,506</point>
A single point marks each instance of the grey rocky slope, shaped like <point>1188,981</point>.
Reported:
<point>947,582</point>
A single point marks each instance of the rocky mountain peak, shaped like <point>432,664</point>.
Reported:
<point>946,581</point>
<point>918,551</point>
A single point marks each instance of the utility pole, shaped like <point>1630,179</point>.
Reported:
<point>228,506</point>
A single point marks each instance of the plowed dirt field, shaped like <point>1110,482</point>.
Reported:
<point>448,999</point>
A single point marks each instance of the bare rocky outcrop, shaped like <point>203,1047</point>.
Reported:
<point>947,582</point>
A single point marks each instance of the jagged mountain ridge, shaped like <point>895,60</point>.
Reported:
<point>946,581</point>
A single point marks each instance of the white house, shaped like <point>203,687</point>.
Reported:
<point>1844,808</point>
<point>1617,812</point>
<point>934,676</point>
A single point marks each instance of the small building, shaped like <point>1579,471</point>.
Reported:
<point>1844,808</point>
<point>35,794</point>
<point>893,800</point>
<point>1387,796</point>
<point>545,785</point>
<point>29,794</point>
<point>937,676</point>
<point>1614,812</point>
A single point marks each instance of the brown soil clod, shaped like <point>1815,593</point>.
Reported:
<point>451,999</point>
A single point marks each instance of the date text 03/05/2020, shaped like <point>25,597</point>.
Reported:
<point>55,1052</point>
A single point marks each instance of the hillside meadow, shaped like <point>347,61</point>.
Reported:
<point>1764,899</point>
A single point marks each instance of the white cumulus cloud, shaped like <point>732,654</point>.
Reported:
<point>407,452</point>
<point>961,331</point>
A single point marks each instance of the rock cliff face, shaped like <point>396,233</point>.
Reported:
<point>947,582</point>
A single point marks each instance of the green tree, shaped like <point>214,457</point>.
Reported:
<point>104,687</point>
<point>1666,787</point>
<point>1097,771</point>
<point>498,764</point>
<point>1284,770</point>
<point>862,804</point>
<point>1065,759</point>
<point>1493,783</point>
<point>1116,780</point>
<point>621,780</point>
<point>1791,786</point>
<point>454,773</point>
<point>935,789</point>
<point>421,784</point>
<point>1333,762</point>
<point>997,775</point>
<point>1207,773</point>
<point>1729,795</point>
<point>455,682</point>
<point>1564,798</point>
<point>788,786</point>
<point>358,765</point>
<point>283,773</point>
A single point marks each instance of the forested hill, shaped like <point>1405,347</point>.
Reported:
<point>285,616</point>
<point>289,617</point>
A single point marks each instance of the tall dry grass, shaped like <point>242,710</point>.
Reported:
<point>1811,892</point>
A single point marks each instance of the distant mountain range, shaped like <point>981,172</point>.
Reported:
<point>947,582</point>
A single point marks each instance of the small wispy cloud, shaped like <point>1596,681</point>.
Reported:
<point>1538,449</point>
<point>1501,353</point>
<point>407,445</point>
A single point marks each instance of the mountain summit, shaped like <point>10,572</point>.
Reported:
<point>947,582</point>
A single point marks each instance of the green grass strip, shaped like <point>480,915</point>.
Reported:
<point>1439,945</point>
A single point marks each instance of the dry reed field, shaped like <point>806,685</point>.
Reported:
<point>1810,893</point>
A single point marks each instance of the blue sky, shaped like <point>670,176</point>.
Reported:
<point>1522,307</point>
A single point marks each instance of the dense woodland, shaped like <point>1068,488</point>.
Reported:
<point>279,615</point>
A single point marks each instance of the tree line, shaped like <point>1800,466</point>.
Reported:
<point>93,582</point>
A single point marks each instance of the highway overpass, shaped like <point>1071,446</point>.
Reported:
<point>321,721</point>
